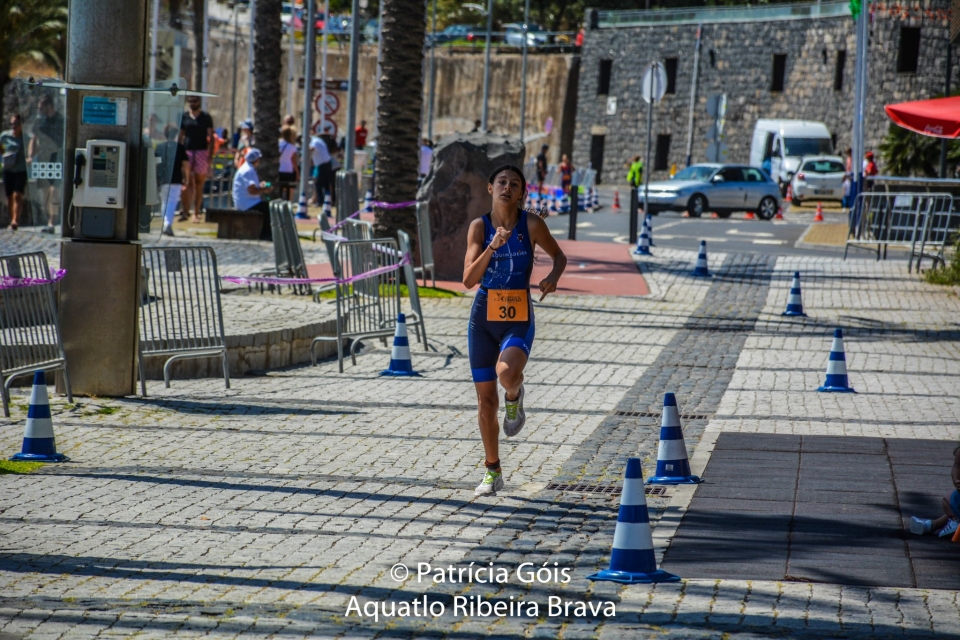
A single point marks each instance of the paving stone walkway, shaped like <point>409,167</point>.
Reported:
<point>263,511</point>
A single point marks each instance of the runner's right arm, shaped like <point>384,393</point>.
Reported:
<point>477,258</point>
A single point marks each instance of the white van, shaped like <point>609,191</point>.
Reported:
<point>778,146</point>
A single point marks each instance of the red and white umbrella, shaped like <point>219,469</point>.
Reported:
<point>939,118</point>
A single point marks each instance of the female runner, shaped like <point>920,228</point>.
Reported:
<point>499,258</point>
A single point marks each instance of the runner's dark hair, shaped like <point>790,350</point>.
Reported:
<point>510,167</point>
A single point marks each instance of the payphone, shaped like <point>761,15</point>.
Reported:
<point>99,187</point>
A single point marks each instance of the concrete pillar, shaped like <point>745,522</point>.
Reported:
<point>99,303</point>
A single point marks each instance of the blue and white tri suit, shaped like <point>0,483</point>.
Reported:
<point>509,268</point>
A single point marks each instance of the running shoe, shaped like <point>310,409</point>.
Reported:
<point>492,482</point>
<point>949,528</point>
<point>920,527</point>
<point>167,231</point>
<point>515,416</point>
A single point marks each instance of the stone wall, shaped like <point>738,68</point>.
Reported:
<point>458,96</point>
<point>737,59</point>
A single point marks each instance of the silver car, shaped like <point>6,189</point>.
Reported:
<point>818,178</point>
<point>723,188</point>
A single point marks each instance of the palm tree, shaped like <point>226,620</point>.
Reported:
<point>402,27</point>
<point>905,153</point>
<point>32,30</point>
<point>199,12</point>
<point>266,86</point>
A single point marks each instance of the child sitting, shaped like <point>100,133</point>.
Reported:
<point>947,523</point>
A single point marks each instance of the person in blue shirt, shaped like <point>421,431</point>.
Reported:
<point>247,187</point>
<point>499,258</point>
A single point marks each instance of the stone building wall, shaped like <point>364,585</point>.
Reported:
<point>737,59</point>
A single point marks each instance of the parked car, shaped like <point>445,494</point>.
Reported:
<point>778,146</point>
<point>451,33</point>
<point>513,35</point>
<point>724,188</point>
<point>819,178</point>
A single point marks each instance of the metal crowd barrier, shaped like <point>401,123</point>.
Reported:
<point>918,222</point>
<point>368,307</point>
<point>288,254</point>
<point>425,236</point>
<point>415,318</point>
<point>180,311</point>
<point>218,189</point>
<point>30,337</point>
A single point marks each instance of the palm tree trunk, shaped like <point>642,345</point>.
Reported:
<point>199,12</point>
<point>266,86</point>
<point>402,27</point>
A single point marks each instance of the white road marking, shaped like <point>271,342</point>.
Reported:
<point>760,234</point>
<point>769,242</point>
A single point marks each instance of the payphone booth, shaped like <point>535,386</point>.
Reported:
<point>95,166</point>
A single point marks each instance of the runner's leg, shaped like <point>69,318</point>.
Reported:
<point>488,406</point>
<point>510,371</point>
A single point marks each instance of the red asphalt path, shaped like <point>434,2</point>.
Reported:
<point>593,268</point>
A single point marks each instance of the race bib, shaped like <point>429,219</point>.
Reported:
<point>507,305</point>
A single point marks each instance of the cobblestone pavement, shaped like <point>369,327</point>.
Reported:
<point>265,509</point>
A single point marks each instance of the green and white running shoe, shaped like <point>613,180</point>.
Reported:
<point>515,417</point>
<point>492,482</point>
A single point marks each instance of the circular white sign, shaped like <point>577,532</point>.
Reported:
<point>331,103</point>
<point>329,127</point>
<point>654,84</point>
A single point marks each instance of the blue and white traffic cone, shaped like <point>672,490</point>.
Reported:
<point>596,200</point>
<point>633,560</point>
<point>794,300</point>
<point>643,243</point>
<point>701,268</point>
<point>554,208</point>
<point>837,367</point>
<point>400,363</point>
<point>302,207</point>
<point>528,203</point>
<point>564,204</point>
<point>327,205</point>
<point>367,201</point>
<point>38,440</point>
<point>673,467</point>
<point>648,221</point>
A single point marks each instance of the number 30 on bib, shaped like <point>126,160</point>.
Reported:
<point>507,305</point>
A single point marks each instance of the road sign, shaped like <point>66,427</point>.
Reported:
<point>329,127</point>
<point>331,103</point>
<point>654,83</point>
<point>717,109</point>
<point>333,84</point>
<point>717,152</point>
<point>611,105</point>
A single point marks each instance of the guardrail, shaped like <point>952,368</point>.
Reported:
<point>713,15</point>
<point>30,337</point>
<point>919,222</point>
<point>180,311</point>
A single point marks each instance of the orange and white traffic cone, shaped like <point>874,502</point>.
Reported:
<point>616,200</point>
<point>789,197</point>
<point>779,215</point>
<point>749,216</point>
<point>819,216</point>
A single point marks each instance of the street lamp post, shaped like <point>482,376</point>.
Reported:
<point>309,65</point>
<point>523,69</point>
<point>486,68</point>
<point>253,13</point>
<point>433,73</point>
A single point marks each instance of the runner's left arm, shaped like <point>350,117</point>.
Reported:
<point>540,236</point>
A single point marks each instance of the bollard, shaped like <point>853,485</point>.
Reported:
<point>634,205</point>
<point>574,206</point>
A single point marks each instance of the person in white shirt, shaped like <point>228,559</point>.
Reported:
<point>322,168</point>
<point>426,158</point>
<point>247,186</point>
<point>289,164</point>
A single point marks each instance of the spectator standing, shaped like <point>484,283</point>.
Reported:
<point>566,174</point>
<point>247,186</point>
<point>197,127</point>
<point>869,170</point>
<point>360,138</point>
<point>542,168</point>
<point>849,161</point>
<point>322,168</point>
<point>476,126</point>
<point>174,171</point>
<point>635,174</point>
<point>426,158</point>
<point>289,161</point>
<point>244,142</point>
<point>46,143</point>
<point>14,168</point>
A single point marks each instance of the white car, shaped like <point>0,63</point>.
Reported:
<point>818,178</point>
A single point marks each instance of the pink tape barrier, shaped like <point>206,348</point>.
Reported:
<point>405,260</point>
<point>7,282</point>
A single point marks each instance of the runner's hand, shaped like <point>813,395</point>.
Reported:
<point>547,285</point>
<point>499,238</point>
